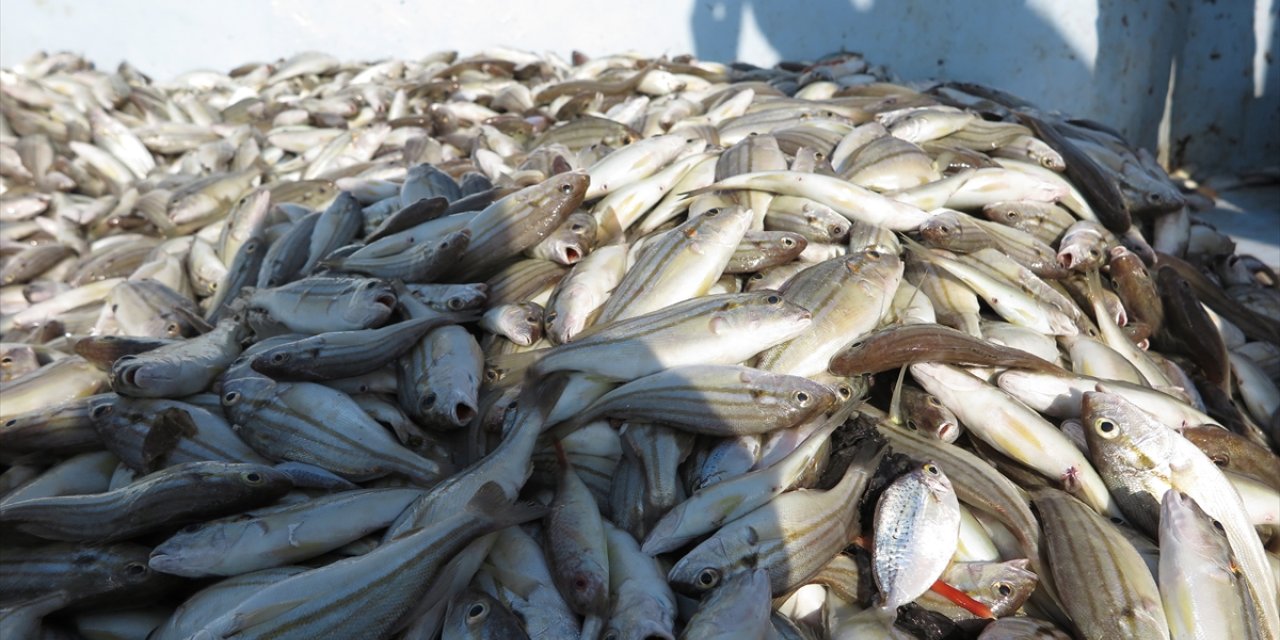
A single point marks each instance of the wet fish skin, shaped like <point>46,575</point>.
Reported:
<point>924,413</point>
<point>791,537</point>
<point>1188,329</point>
<point>576,545</point>
<point>509,226</point>
<point>276,536</point>
<point>847,297</point>
<point>716,400</point>
<point>439,378</point>
<point>178,369</point>
<point>1193,551</point>
<point>1142,459</point>
<point>104,573</point>
<point>894,347</point>
<point>320,304</point>
<point>520,323</point>
<point>688,332</point>
<point>677,265</point>
<point>57,382</point>
<point>202,489</point>
<point>343,598</point>
<point>475,614</point>
<point>643,605</point>
<point>916,529</point>
<point>58,430</point>
<point>1102,581</point>
<point>345,354</point>
<point>738,609</point>
<point>284,259</point>
<point>151,434</point>
<point>421,262</point>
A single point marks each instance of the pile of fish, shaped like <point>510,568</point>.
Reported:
<point>512,346</point>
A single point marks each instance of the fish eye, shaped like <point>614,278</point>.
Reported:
<point>230,398</point>
<point>172,329</point>
<point>10,422</point>
<point>576,227</point>
<point>756,277</point>
<point>551,316</point>
<point>774,299</point>
<point>135,569</point>
<point>708,578</point>
<point>788,242</point>
<point>802,398</point>
<point>1154,198</point>
<point>252,477</point>
<point>1221,459</point>
<point>1003,589</point>
<point>98,412</point>
<point>1116,520</point>
<point>429,400</point>
<point>1218,525</point>
<point>845,391</point>
<point>279,357</point>
<point>932,401</point>
<point>455,304</point>
<point>710,213</point>
<point>492,375</point>
<point>1093,253</point>
<point>6,361</point>
<point>477,611</point>
<point>531,319</point>
<point>1013,215</point>
<point>874,254</point>
<point>931,469</point>
<point>835,230</point>
<point>911,424</point>
<point>1106,428</point>
<point>611,635</point>
<point>566,188</point>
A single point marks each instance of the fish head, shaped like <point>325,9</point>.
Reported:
<point>1181,518</point>
<point>940,229</point>
<point>131,568</point>
<point>563,192</point>
<point>801,396</point>
<point>935,481</point>
<point>1120,434</point>
<point>715,561</point>
<point>195,548</point>
<point>371,303</point>
<point>638,623</point>
<point>1002,586</point>
<point>103,408</point>
<point>467,296</point>
<point>136,374</point>
<point>454,244</point>
<point>475,614</point>
<point>764,315</point>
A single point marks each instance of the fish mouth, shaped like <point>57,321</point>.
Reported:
<point>572,255</point>
<point>947,431</point>
<point>387,299</point>
<point>463,413</point>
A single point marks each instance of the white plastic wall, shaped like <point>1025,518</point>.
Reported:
<point>1109,60</point>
